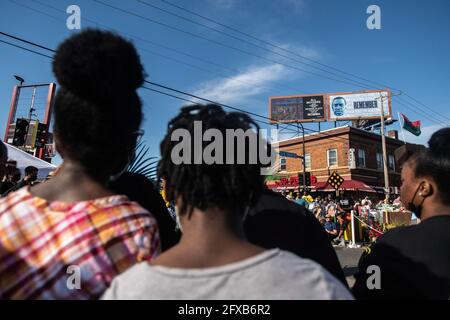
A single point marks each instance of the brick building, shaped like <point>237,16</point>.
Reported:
<point>354,153</point>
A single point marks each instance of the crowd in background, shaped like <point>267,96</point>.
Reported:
<point>226,237</point>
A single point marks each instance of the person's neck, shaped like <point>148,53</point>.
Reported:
<point>71,184</point>
<point>210,238</point>
<point>434,210</point>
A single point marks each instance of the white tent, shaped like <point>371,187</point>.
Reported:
<point>25,159</point>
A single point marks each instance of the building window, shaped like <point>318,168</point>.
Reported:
<point>391,162</point>
<point>282,164</point>
<point>308,161</point>
<point>332,157</point>
<point>379,160</point>
<point>361,158</point>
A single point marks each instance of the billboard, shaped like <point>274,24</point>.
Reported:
<point>302,108</point>
<point>360,105</point>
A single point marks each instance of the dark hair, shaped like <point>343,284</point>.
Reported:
<point>15,175</point>
<point>97,110</point>
<point>434,162</point>
<point>339,98</point>
<point>30,169</point>
<point>3,151</point>
<point>231,187</point>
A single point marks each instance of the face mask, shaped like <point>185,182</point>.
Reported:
<point>416,209</point>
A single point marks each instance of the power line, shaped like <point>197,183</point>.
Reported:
<point>429,117</point>
<point>222,44</point>
<point>225,45</point>
<point>278,84</point>
<point>188,94</point>
<point>270,44</point>
<point>243,40</point>
<point>23,48</point>
<point>417,101</point>
<point>192,101</point>
<point>194,66</point>
<point>291,52</point>
<point>182,92</point>
<point>26,41</point>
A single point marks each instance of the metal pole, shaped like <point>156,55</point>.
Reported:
<point>303,158</point>
<point>30,114</point>
<point>353,243</point>
<point>383,143</point>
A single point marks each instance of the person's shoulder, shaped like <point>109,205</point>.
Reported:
<point>309,275</point>
<point>13,199</point>
<point>132,283</point>
<point>396,234</point>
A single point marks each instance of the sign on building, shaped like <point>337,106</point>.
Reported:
<point>302,108</point>
<point>361,105</point>
<point>335,180</point>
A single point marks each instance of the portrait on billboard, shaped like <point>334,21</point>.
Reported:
<point>358,105</point>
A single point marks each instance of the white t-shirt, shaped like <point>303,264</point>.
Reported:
<point>273,274</point>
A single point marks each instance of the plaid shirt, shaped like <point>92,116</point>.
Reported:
<point>45,248</point>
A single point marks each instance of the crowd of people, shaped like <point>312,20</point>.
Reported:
<point>231,238</point>
<point>333,213</point>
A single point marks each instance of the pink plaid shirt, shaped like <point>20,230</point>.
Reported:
<point>70,250</point>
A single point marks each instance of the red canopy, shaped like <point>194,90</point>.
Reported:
<point>349,185</point>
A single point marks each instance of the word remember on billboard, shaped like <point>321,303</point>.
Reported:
<point>353,106</point>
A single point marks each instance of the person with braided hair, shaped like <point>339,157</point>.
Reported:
<point>213,259</point>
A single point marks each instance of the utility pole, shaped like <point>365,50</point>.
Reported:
<point>303,155</point>
<point>383,144</point>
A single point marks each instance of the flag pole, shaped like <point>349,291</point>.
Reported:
<point>401,127</point>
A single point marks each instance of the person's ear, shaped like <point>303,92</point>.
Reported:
<point>426,189</point>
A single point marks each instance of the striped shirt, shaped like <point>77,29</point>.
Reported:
<point>63,250</point>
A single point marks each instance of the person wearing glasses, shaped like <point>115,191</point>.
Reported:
<point>68,237</point>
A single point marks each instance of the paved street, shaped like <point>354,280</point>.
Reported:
<point>349,257</point>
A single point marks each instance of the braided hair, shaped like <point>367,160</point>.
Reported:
<point>231,187</point>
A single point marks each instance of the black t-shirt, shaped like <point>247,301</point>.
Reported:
<point>414,262</point>
<point>276,222</point>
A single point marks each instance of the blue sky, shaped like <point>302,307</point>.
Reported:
<point>409,53</point>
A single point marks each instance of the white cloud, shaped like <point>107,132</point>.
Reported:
<point>251,82</point>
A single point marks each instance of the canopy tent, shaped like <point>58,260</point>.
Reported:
<point>24,160</point>
<point>348,185</point>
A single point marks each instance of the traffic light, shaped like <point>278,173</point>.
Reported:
<point>308,179</point>
<point>41,135</point>
<point>300,179</point>
<point>20,132</point>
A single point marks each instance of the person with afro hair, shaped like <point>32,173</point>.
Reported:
<point>68,237</point>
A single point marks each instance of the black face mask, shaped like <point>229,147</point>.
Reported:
<point>416,209</point>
